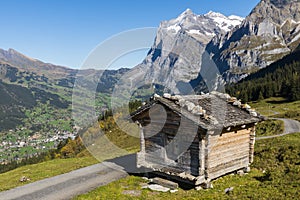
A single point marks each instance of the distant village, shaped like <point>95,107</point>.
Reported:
<point>32,145</point>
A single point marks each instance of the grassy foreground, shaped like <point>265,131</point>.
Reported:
<point>114,143</point>
<point>43,170</point>
<point>275,172</point>
<point>275,175</point>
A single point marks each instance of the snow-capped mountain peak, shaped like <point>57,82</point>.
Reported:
<point>235,17</point>
<point>187,12</point>
<point>187,15</point>
<point>224,23</point>
<point>176,54</point>
<point>212,14</point>
<point>201,27</point>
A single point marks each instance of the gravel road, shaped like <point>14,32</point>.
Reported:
<point>71,184</point>
<point>290,126</point>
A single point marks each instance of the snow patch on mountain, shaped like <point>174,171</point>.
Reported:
<point>202,27</point>
<point>223,22</point>
<point>174,27</point>
<point>176,55</point>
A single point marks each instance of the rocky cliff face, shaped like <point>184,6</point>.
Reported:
<point>179,45</point>
<point>271,31</point>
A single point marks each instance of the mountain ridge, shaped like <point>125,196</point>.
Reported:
<point>176,55</point>
<point>268,33</point>
<point>189,45</point>
<point>21,61</point>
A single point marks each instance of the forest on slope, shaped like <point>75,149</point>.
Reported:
<point>279,79</point>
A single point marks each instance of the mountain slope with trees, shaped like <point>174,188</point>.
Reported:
<point>281,78</point>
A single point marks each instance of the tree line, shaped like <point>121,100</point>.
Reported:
<point>279,79</point>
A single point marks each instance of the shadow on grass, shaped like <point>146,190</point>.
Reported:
<point>264,178</point>
<point>281,101</point>
<point>128,163</point>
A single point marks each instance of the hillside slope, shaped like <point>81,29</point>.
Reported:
<point>46,82</point>
<point>281,78</point>
<point>14,99</point>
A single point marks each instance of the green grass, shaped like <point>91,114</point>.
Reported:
<point>275,175</point>
<point>115,190</point>
<point>113,144</point>
<point>270,127</point>
<point>43,170</point>
<point>108,140</point>
<point>275,172</point>
<point>278,107</point>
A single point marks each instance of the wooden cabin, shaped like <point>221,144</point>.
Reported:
<point>196,138</point>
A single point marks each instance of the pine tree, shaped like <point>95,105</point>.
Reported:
<point>260,96</point>
<point>295,88</point>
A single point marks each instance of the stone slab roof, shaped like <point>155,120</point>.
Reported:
<point>210,111</point>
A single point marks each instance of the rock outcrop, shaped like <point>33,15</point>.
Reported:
<point>176,54</point>
<point>271,31</point>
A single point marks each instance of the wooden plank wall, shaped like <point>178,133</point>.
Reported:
<point>227,153</point>
<point>159,134</point>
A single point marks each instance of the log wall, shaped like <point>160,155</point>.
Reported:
<point>227,153</point>
<point>172,143</point>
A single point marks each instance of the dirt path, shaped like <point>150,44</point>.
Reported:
<point>73,183</point>
<point>290,126</point>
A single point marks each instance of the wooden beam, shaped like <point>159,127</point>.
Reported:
<point>202,156</point>
<point>251,145</point>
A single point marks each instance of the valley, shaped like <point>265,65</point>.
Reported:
<point>55,119</point>
<point>36,108</point>
<point>40,99</point>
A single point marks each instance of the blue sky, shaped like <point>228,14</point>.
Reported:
<point>64,32</point>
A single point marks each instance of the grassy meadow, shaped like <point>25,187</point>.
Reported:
<point>275,173</point>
